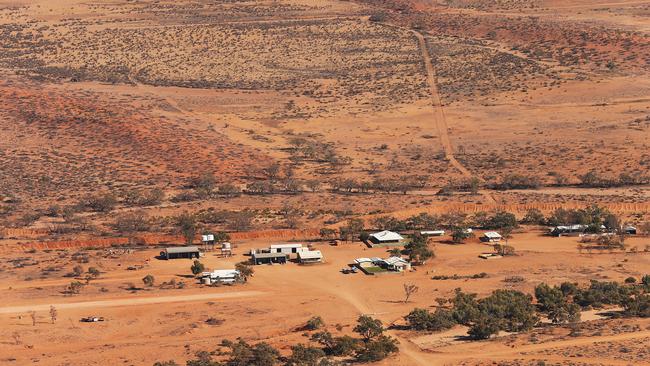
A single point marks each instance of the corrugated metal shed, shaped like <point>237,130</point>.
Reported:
<point>269,255</point>
<point>312,254</point>
<point>177,250</point>
<point>387,236</point>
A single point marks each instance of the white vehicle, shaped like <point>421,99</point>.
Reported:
<point>92,319</point>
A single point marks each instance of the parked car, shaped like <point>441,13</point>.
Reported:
<point>92,319</point>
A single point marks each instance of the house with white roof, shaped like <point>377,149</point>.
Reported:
<point>310,256</point>
<point>386,237</point>
<point>396,264</point>
<point>491,237</point>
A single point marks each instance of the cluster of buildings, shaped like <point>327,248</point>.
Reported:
<point>281,253</point>
<point>375,264</point>
<point>578,229</point>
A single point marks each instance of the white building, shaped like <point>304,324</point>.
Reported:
<point>432,232</point>
<point>220,276</point>
<point>491,237</point>
<point>396,264</point>
<point>285,248</point>
<point>310,256</point>
<point>386,237</point>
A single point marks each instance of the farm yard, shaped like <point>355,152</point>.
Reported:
<point>146,315</point>
<point>386,182</point>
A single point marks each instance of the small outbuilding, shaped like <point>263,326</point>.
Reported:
<point>396,264</point>
<point>432,232</point>
<point>181,252</point>
<point>386,237</point>
<point>310,256</point>
<point>491,237</point>
<point>285,248</point>
<point>220,276</point>
<point>269,258</point>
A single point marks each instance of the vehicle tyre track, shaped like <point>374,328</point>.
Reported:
<point>439,116</point>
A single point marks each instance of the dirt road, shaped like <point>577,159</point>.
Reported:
<point>439,117</point>
<point>438,111</point>
<point>129,301</point>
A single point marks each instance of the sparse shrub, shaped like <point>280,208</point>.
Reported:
<point>148,280</point>
<point>74,287</point>
<point>314,323</point>
<point>101,202</point>
<point>131,222</point>
<point>513,279</point>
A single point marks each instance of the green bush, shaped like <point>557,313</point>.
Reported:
<point>422,319</point>
<point>302,355</point>
<point>377,349</point>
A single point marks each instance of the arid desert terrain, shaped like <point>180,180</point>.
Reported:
<point>129,127</point>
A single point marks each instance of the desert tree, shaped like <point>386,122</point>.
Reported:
<point>74,287</point>
<point>418,250</point>
<point>272,171</point>
<point>188,226</point>
<point>93,272</point>
<point>368,327</point>
<point>303,355</point>
<point>204,184</point>
<point>77,270</point>
<point>327,233</point>
<point>314,323</point>
<point>16,337</point>
<point>313,185</point>
<point>409,290</point>
<point>245,271</point>
<point>228,190</point>
<point>352,229</point>
<point>221,236</point>
<point>53,313</point>
<point>460,233</point>
<point>32,315</point>
<point>166,363</point>
<point>533,217</point>
<point>197,267</point>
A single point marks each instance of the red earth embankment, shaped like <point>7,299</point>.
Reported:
<point>21,233</point>
<point>159,239</point>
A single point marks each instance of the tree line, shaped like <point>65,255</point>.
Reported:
<point>515,311</point>
<point>372,344</point>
